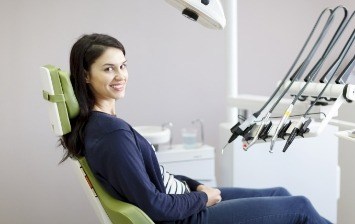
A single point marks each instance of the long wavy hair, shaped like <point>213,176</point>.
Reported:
<point>83,54</point>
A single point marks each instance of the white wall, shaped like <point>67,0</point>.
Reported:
<point>177,74</point>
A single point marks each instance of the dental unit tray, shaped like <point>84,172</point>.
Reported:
<point>338,93</point>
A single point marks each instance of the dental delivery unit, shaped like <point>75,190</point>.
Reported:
<point>327,93</point>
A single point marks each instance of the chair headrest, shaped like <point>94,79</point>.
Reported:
<point>58,92</point>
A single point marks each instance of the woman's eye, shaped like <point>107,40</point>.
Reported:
<point>109,69</point>
<point>123,66</point>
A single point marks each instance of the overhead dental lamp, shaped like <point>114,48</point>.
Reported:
<point>208,13</point>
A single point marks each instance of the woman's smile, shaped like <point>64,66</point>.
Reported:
<point>118,86</point>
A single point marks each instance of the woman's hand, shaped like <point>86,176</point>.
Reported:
<point>213,194</point>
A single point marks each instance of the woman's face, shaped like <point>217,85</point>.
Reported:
<point>108,76</point>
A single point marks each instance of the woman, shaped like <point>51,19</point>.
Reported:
<point>126,164</point>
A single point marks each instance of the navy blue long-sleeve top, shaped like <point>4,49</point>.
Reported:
<point>127,167</point>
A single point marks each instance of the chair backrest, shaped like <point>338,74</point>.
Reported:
<point>63,106</point>
<point>118,211</point>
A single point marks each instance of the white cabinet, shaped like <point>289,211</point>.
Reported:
<point>198,163</point>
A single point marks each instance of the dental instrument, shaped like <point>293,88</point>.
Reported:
<point>302,125</point>
<point>245,127</point>
<point>311,76</point>
<point>264,123</point>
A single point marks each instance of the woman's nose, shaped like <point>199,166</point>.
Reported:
<point>120,75</point>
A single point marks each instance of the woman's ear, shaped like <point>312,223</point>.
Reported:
<point>87,77</point>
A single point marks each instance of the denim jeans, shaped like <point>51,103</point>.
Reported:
<point>266,206</point>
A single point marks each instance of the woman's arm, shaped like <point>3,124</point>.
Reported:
<point>190,182</point>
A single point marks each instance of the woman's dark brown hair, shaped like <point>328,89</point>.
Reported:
<point>83,54</point>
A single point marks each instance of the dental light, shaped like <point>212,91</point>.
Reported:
<point>209,13</point>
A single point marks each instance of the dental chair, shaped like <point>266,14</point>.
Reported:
<point>62,103</point>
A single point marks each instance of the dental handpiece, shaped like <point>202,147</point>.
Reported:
<point>301,126</point>
<point>282,122</point>
<point>247,145</point>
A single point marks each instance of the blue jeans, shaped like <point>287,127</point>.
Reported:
<point>266,206</point>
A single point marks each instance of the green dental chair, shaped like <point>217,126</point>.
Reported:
<point>62,103</point>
